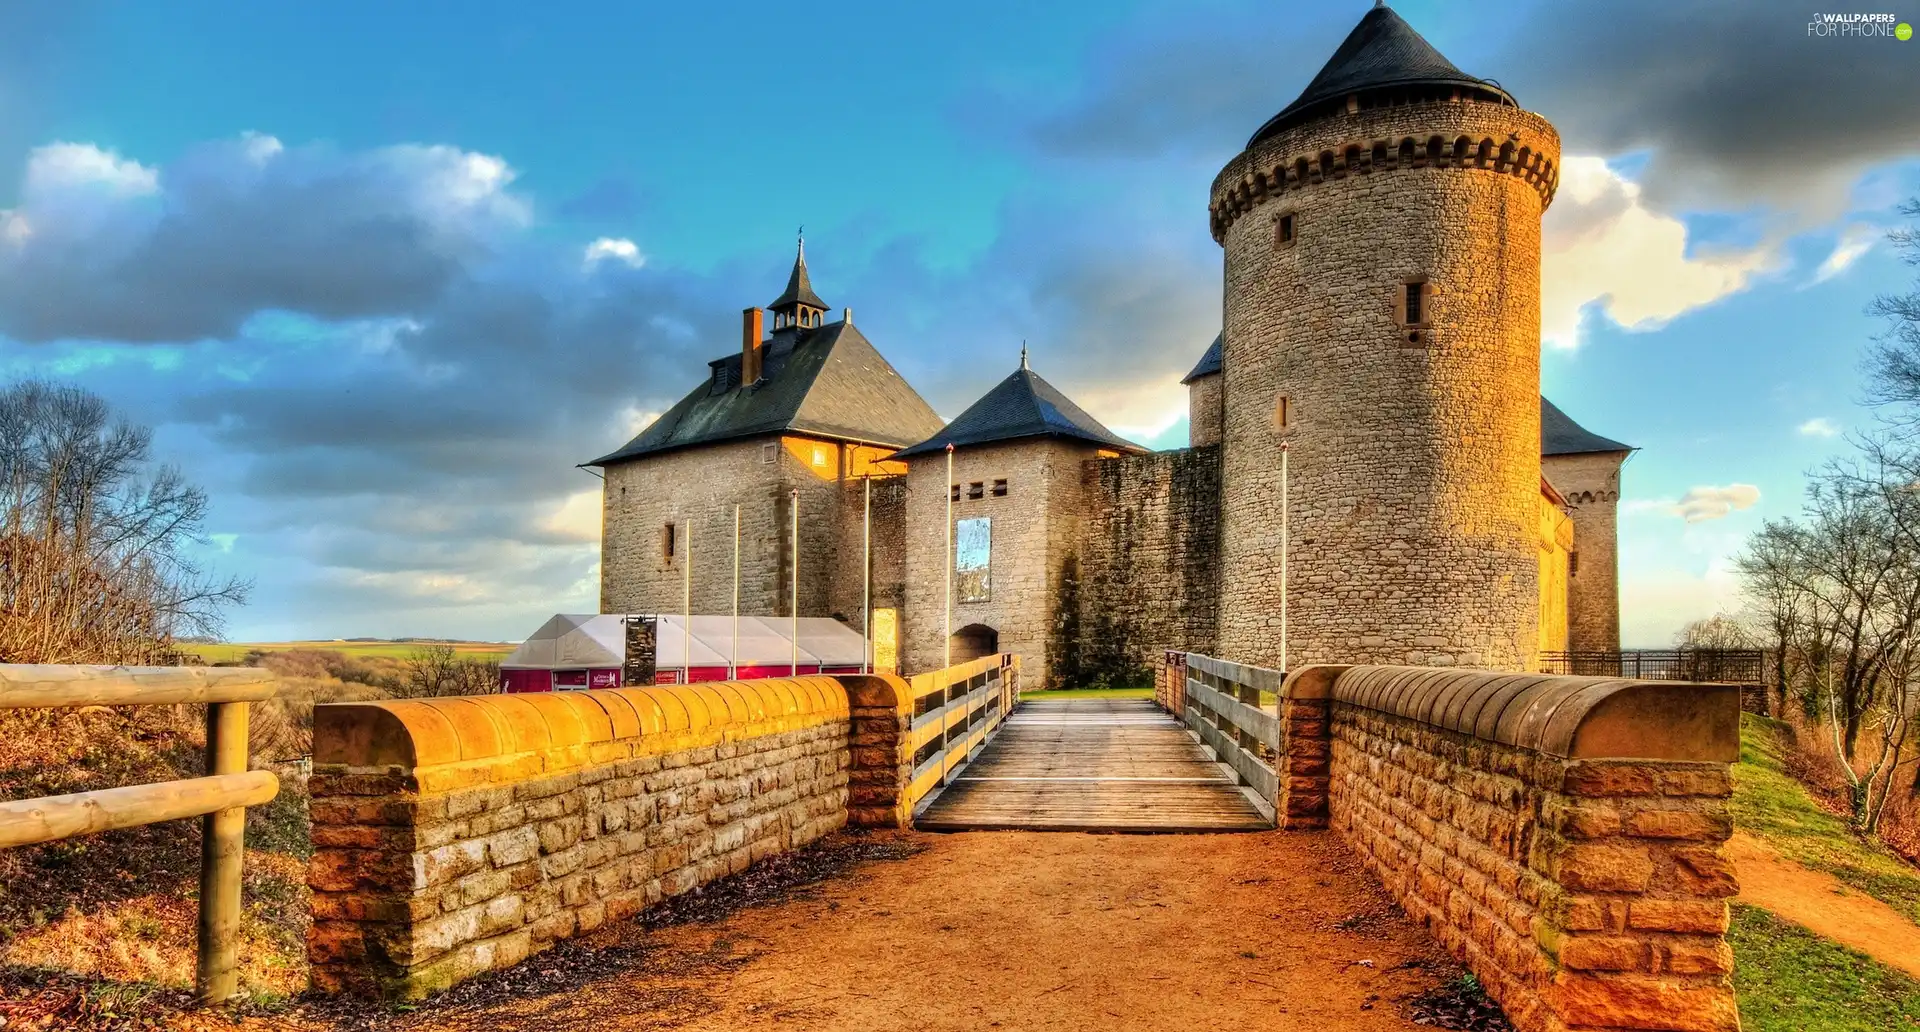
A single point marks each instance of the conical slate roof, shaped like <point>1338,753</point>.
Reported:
<point>1209,363</point>
<point>799,286</point>
<point>1383,51</point>
<point>1022,405</point>
<point>1560,435</point>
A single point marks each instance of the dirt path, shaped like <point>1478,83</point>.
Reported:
<point>1822,904</point>
<point>1024,930</point>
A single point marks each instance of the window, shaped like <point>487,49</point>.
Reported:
<point>667,536</point>
<point>999,489</point>
<point>955,495</point>
<point>1413,310</point>
<point>1283,230</point>
<point>768,451</point>
<point>1573,564</point>
<point>973,559</point>
<point>976,490</point>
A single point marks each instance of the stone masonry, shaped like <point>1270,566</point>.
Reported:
<point>454,836</point>
<point>1591,484</point>
<point>1561,836</point>
<point>1149,573</point>
<point>1036,536</point>
<point>1415,448</point>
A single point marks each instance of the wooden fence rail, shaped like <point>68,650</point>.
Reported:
<point>955,711</point>
<point>220,799</point>
<point>1227,705</point>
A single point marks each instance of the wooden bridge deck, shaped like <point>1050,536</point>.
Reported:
<point>1093,765</point>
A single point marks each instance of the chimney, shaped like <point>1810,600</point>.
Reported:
<point>751,352</point>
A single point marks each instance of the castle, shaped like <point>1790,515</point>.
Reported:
<point>1381,325</point>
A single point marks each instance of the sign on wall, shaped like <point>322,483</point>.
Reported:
<point>973,559</point>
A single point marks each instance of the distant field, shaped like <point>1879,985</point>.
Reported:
<point>234,652</point>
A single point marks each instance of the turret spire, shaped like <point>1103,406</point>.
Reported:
<point>798,305</point>
<point>1023,355</point>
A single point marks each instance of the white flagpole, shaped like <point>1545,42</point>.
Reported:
<point>946,656</point>
<point>686,611</point>
<point>866,582</point>
<point>794,588</point>
<point>1283,554</point>
<point>733,657</point>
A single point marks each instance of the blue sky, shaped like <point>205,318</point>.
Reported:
<point>344,257</point>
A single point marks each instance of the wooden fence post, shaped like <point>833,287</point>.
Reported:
<point>222,845</point>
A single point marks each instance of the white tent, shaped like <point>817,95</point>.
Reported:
<point>700,648</point>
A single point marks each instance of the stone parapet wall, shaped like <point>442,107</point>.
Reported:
<point>454,836</point>
<point>1561,836</point>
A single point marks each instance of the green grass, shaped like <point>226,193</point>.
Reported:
<point>1769,803</point>
<point>1091,693</point>
<point>234,653</point>
<point>1791,980</point>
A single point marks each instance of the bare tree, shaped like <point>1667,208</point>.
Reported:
<point>1718,631</point>
<point>95,537</point>
<point>439,669</point>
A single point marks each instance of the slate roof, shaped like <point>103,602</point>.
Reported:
<point>1022,405</point>
<point>1560,435</point>
<point>799,286</point>
<point>1209,363</point>
<point>829,382</point>
<point>1383,51</point>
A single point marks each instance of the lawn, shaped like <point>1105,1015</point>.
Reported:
<point>1088,693</point>
<point>1791,980</point>
<point>234,653</point>
<point>1769,803</point>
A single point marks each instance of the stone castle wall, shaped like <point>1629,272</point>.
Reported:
<point>696,489</point>
<point>1036,531</point>
<point>1204,410</point>
<point>1415,466</point>
<point>887,547</point>
<point>1149,567</point>
<point>1561,836</point>
<point>455,836</point>
<point>1591,484</point>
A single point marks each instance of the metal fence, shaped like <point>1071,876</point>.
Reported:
<point>1735,666</point>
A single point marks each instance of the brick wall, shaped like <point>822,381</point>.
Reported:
<point>1561,836</point>
<point>454,836</point>
<point>1149,565</point>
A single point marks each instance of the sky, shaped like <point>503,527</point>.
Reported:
<point>381,275</point>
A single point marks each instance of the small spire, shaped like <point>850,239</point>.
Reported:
<point>1023,354</point>
<point>801,250</point>
<point>1379,4</point>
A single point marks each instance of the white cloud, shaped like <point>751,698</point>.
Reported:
<point>1854,242</point>
<point>616,249</point>
<point>1712,503</point>
<point>59,167</point>
<point>1819,426</point>
<point>578,518</point>
<point>1602,245</point>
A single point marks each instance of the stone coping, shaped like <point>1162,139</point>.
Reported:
<point>1568,717</point>
<point>457,742</point>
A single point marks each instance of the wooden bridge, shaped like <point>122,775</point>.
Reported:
<point>1114,765</point>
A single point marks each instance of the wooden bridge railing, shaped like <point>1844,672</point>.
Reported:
<point>1225,705</point>
<point>220,798</point>
<point>955,711</point>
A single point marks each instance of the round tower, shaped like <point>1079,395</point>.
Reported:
<point>1382,289</point>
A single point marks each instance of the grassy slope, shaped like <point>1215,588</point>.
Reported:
<point>1769,803</point>
<point>1788,978</point>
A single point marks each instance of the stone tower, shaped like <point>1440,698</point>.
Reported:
<point>1382,238</point>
